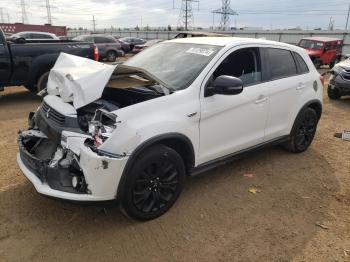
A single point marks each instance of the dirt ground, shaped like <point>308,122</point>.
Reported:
<point>300,213</point>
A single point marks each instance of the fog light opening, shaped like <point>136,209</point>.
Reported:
<point>78,183</point>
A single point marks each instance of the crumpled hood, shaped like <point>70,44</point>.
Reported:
<point>78,80</point>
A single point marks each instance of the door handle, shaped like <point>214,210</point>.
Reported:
<point>301,86</point>
<point>261,99</point>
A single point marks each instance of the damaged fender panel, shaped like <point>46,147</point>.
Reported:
<point>102,173</point>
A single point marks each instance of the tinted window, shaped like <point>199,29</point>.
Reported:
<point>327,46</point>
<point>100,40</point>
<point>109,40</point>
<point>244,64</point>
<point>281,63</point>
<point>302,67</point>
<point>39,36</point>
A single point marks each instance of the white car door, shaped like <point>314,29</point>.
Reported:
<point>287,85</point>
<point>230,123</point>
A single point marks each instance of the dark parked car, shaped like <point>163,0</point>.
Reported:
<point>339,82</point>
<point>108,47</point>
<point>139,48</point>
<point>133,41</point>
<point>125,46</point>
<point>33,35</point>
<point>28,62</point>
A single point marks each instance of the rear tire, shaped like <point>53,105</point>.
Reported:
<point>303,131</point>
<point>111,56</point>
<point>333,93</point>
<point>153,184</point>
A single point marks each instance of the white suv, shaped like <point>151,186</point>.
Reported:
<point>176,109</point>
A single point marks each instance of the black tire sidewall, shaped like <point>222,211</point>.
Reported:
<point>333,93</point>
<point>126,197</point>
<point>108,56</point>
<point>42,81</point>
<point>302,115</point>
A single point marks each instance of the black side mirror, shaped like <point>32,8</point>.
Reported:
<point>225,85</point>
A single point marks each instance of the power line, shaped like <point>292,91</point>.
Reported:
<point>48,9</point>
<point>225,12</point>
<point>186,14</point>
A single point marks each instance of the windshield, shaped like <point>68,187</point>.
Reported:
<point>310,44</point>
<point>175,64</point>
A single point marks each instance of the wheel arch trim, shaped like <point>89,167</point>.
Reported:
<point>148,143</point>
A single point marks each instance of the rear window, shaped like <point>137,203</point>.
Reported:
<point>281,63</point>
<point>311,44</point>
<point>302,67</point>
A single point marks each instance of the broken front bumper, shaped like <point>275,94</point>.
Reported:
<point>100,174</point>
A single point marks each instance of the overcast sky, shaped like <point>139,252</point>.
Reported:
<point>121,13</point>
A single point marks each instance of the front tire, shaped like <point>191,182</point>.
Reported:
<point>303,131</point>
<point>333,93</point>
<point>153,184</point>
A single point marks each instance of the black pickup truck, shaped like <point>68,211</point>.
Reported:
<point>28,62</point>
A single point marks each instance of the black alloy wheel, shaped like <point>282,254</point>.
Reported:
<point>303,131</point>
<point>153,184</point>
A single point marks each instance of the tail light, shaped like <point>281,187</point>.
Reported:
<point>322,79</point>
<point>96,55</point>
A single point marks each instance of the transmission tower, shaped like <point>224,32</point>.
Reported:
<point>24,12</point>
<point>94,23</point>
<point>48,9</point>
<point>225,12</point>
<point>186,14</point>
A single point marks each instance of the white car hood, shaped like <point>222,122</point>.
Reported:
<point>78,80</point>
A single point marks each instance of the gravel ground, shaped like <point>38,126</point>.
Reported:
<point>301,211</point>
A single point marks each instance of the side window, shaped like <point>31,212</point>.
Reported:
<point>244,64</point>
<point>302,66</point>
<point>109,40</point>
<point>99,40</point>
<point>281,63</point>
<point>327,46</point>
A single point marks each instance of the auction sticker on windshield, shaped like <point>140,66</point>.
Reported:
<point>200,51</point>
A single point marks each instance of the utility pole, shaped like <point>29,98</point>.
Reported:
<point>94,23</point>
<point>24,12</point>
<point>347,19</point>
<point>225,12</point>
<point>331,24</point>
<point>2,20</point>
<point>48,9</point>
<point>8,17</point>
<point>186,14</point>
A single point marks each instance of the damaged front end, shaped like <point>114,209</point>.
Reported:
<point>71,167</point>
<point>52,163</point>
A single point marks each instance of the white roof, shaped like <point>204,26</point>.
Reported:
<point>226,41</point>
<point>322,38</point>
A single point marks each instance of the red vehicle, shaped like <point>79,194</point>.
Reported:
<point>323,50</point>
